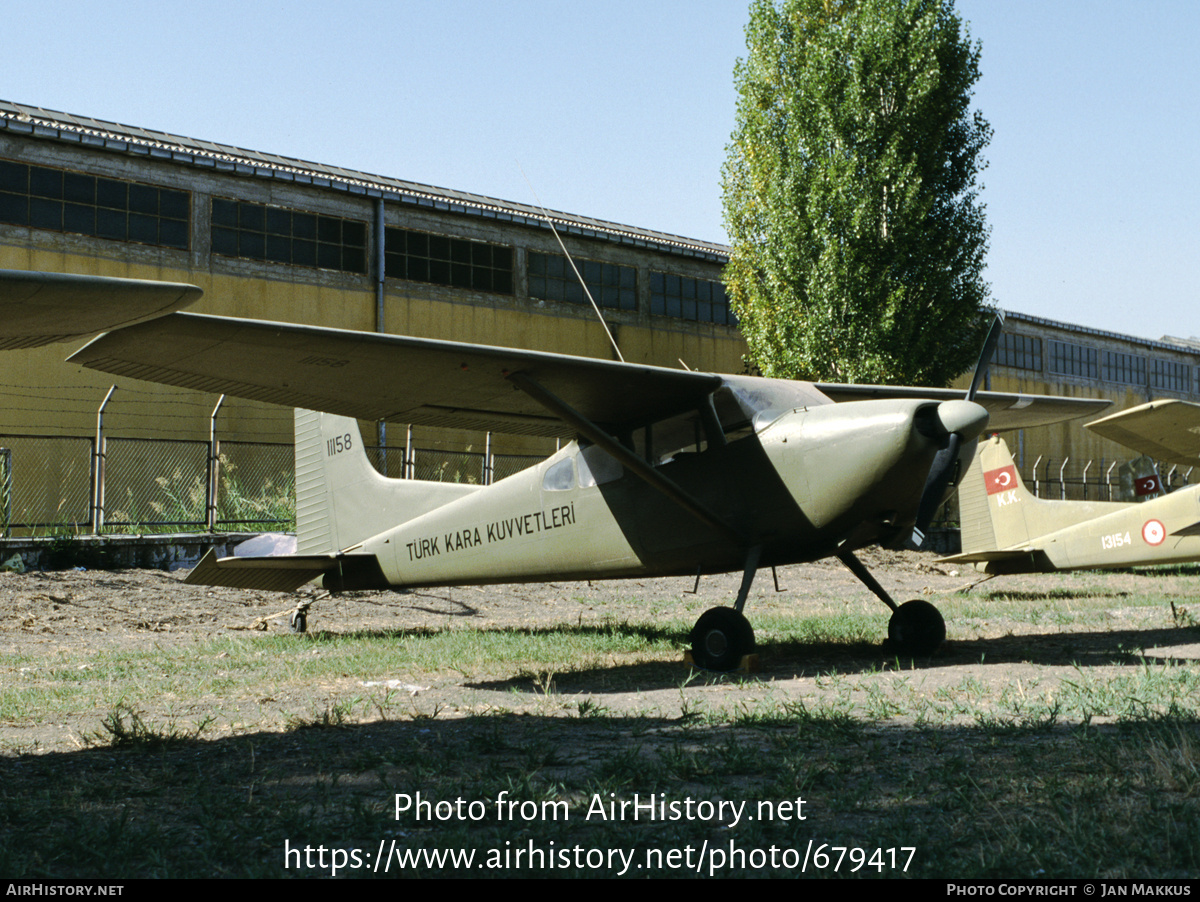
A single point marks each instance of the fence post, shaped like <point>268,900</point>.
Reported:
<point>1085,471</point>
<point>7,488</point>
<point>96,515</point>
<point>409,468</point>
<point>214,469</point>
<point>1062,483</point>
<point>487,460</point>
<point>1036,488</point>
<point>1108,480</point>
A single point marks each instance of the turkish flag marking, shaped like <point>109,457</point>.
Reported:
<point>1000,480</point>
<point>1147,485</point>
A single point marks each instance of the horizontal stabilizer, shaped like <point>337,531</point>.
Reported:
<point>973,557</point>
<point>279,573</point>
<point>288,572</point>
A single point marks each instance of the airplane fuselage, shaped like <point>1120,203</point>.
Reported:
<point>812,481</point>
<point>1105,535</point>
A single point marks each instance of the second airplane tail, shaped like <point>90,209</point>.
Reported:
<point>993,501</point>
<point>1005,527</point>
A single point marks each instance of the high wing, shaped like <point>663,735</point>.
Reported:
<point>1006,410</point>
<point>37,308</point>
<point>1167,429</point>
<point>372,376</point>
<point>429,382</point>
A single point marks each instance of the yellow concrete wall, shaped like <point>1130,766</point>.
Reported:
<point>41,393</point>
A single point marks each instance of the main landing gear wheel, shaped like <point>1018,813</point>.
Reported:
<point>917,627</point>
<point>720,639</point>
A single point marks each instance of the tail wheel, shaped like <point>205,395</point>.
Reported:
<point>720,639</point>
<point>917,628</point>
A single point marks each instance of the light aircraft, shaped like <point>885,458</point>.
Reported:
<point>667,472</point>
<point>38,308</point>
<point>1007,529</point>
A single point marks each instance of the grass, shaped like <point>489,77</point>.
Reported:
<point>1064,752</point>
<point>1050,801</point>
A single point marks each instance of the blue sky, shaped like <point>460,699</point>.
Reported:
<point>622,110</point>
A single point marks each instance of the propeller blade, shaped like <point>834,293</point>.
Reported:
<point>959,422</point>
<point>941,473</point>
<point>985,355</point>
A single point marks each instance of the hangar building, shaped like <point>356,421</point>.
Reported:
<point>269,237</point>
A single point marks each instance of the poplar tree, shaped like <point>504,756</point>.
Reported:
<point>850,192</point>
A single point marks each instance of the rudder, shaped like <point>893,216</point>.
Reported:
<point>987,526</point>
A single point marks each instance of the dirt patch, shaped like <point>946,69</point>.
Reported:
<point>44,616</point>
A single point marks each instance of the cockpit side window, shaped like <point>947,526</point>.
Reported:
<point>664,440</point>
<point>560,477</point>
<point>597,466</point>
<point>736,421</point>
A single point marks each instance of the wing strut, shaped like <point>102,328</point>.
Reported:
<point>857,568</point>
<point>627,458</point>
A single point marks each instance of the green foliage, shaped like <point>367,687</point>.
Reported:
<point>850,192</point>
<point>123,727</point>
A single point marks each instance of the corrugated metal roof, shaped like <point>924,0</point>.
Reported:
<point>50,124</point>
<point>1166,343</point>
<point>53,125</point>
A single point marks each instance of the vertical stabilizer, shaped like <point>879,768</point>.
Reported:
<point>993,501</point>
<point>341,499</point>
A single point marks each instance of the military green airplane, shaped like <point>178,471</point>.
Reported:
<point>1006,529</point>
<point>667,472</point>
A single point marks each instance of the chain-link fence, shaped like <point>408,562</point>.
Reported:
<point>152,484</point>
<point>121,485</point>
<point>49,481</point>
<point>256,485</point>
<point>1093,480</point>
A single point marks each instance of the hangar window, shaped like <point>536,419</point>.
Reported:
<point>1129,369</point>
<point>1022,352</point>
<point>1067,359</point>
<point>441,260</point>
<point>43,197</point>
<point>1169,375</point>
<point>698,300</point>
<point>551,278</point>
<point>280,235</point>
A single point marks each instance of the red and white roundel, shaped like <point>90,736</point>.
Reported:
<point>1154,532</point>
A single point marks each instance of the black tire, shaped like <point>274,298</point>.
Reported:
<point>917,628</point>
<point>298,622</point>
<point>720,639</point>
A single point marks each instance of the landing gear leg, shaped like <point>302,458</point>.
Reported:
<point>723,636</point>
<point>916,627</point>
